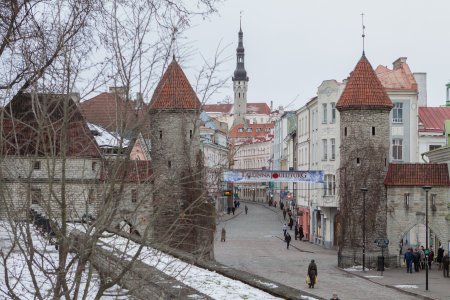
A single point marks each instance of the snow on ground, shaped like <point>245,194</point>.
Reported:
<point>207,282</point>
<point>373,276</point>
<point>406,286</point>
<point>355,269</point>
<point>43,267</point>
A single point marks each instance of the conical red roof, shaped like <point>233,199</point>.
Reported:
<point>174,91</point>
<point>363,89</point>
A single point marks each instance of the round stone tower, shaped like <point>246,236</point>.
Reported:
<point>182,218</point>
<point>364,110</point>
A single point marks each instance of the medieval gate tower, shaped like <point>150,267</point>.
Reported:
<point>364,110</point>
<point>182,218</point>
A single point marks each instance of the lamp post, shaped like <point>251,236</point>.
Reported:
<point>426,188</point>
<point>364,190</point>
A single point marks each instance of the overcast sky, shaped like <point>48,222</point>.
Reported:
<point>291,46</point>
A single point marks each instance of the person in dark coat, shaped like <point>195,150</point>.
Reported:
<point>291,223</point>
<point>416,260</point>
<point>300,232</point>
<point>296,231</point>
<point>440,256</point>
<point>287,238</point>
<point>223,234</point>
<point>284,214</point>
<point>430,258</point>
<point>312,273</point>
<point>446,265</point>
<point>408,258</point>
<point>246,209</point>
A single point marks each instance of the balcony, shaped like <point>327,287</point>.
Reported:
<point>328,201</point>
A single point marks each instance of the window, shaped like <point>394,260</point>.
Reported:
<point>406,200</point>
<point>36,196</point>
<point>333,112</point>
<point>397,149</point>
<point>160,134</point>
<point>373,130</point>
<point>358,161</point>
<point>37,165</point>
<point>241,130</point>
<point>91,196</point>
<point>397,113</point>
<point>329,185</point>
<point>169,163</point>
<point>94,166</point>
<point>190,134</point>
<point>324,150</point>
<point>434,147</point>
<point>433,202</point>
<point>345,131</point>
<point>134,195</point>
<point>324,116</point>
<point>258,129</point>
<point>333,149</point>
<point>249,129</point>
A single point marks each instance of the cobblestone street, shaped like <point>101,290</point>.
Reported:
<point>254,243</point>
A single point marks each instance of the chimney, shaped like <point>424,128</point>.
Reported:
<point>421,79</point>
<point>399,62</point>
<point>271,105</point>
<point>120,91</point>
<point>447,99</point>
<point>280,109</point>
<point>75,96</point>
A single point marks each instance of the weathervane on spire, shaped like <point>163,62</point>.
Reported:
<point>363,31</point>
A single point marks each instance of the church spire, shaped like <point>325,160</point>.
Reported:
<point>240,74</point>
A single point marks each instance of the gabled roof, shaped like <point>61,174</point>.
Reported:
<point>33,124</point>
<point>110,110</point>
<point>251,131</point>
<point>174,91</point>
<point>431,119</point>
<point>258,108</point>
<point>400,78</point>
<point>363,89</point>
<point>417,175</point>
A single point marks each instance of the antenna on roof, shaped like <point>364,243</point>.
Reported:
<point>363,31</point>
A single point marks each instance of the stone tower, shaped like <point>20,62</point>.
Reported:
<point>364,110</point>
<point>182,218</point>
<point>240,83</point>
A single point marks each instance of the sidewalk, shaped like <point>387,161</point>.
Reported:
<point>414,284</point>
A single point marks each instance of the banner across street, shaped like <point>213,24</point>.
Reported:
<point>272,175</point>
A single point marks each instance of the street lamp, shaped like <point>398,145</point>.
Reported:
<point>364,190</point>
<point>426,188</point>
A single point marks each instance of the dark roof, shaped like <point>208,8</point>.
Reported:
<point>139,171</point>
<point>33,125</point>
<point>431,119</point>
<point>363,89</point>
<point>417,175</point>
<point>174,91</point>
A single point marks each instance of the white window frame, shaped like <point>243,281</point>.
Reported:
<point>397,149</point>
<point>333,112</point>
<point>329,185</point>
<point>324,113</point>
<point>397,113</point>
<point>324,149</point>
<point>333,149</point>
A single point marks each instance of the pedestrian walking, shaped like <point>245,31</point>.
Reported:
<point>440,256</point>
<point>284,213</point>
<point>334,297</point>
<point>416,260</point>
<point>408,259</point>
<point>284,229</point>
<point>430,258</point>
<point>312,273</point>
<point>295,231</point>
<point>422,257</point>
<point>291,223</point>
<point>233,209</point>
<point>287,238</point>
<point>246,209</point>
<point>300,232</point>
<point>446,265</point>
<point>223,235</point>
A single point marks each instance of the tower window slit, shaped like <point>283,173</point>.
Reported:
<point>373,130</point>
<point>345,131</point>
<point>169,163</point>
<point>190,133</point>
<point>358,161</point>
<point>160,134</point>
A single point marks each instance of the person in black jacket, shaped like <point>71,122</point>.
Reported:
<point>312,273</point>
<point>287,238</point>
<point>335,297</point>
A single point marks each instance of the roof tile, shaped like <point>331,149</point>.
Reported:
<point>431,119</point>
<point>417,175</point>
<point>363,89</point>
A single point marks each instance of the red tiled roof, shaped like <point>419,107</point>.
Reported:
<point>174,91</point>
<point>431,119</point>
<point>259,108</point>
<point>220,108</point>
<point>417,175</point>
<point>110,110</point>
<point>400,78</point>
<point>139,171</point>
<point>234,131</point>
<point>363,89</point>
<point>33,125</point>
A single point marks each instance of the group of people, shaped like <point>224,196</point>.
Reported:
<point>415,258</point>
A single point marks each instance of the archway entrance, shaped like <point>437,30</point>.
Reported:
<point>415,237</point>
